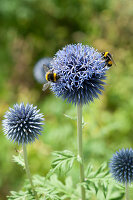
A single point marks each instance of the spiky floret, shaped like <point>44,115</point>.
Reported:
<point>23,124</point>
<point>121,166</point>
<point>39,72</point>
<point>81,70</point>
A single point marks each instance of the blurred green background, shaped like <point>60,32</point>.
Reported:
<point>33,29</point>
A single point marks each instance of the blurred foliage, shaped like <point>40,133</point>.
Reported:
<point>33,29</point>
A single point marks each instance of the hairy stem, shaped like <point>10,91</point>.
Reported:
<point>80,153</point>
<point>28,170</point>
<point>126,191</point>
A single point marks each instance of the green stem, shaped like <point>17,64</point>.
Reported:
<point>28,169</point>
<point>126,191</point>
<point>80,153</point>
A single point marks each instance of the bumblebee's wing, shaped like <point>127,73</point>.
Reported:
<point>46,69</point>
<point>113,62</point>
<point>111,58</point>
<point>45,86</point>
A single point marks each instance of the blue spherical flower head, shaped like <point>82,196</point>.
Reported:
<point>82,71</point>
<point>39,72</point>
<point>23,124</point>
<point>121,166</point>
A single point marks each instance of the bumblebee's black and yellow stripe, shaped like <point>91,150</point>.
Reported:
<point>108,59</point>
<point>51,76</point>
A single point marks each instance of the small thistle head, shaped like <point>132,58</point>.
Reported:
<point>23,124</point>
<point>39,72</point>
<point>81,70</point>
<point>121,166</point>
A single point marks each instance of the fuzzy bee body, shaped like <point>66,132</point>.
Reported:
<point>50,76</point>
<point>108,59</point>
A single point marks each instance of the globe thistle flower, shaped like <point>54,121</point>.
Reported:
<point>39,72</point>
<point>121,166</point>
<point>22,124</point>
<point>82,71</point>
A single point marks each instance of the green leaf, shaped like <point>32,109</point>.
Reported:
<point>54,189</point>
<point>115,191</point>
<point>101,184</point>
<point>70,117</point>
<point>19,196</point>
<point>63,162</point>
<point>89,170</point>
<point>75,118</point>
<point>19,160</point>
<point>69,183</point>
<point>38,180</point>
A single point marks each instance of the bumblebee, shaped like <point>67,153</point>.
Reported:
<point>50,76</point>
<point>108,59</point>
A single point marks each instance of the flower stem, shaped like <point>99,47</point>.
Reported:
<point>28,170</point>
<point>80,153</point>
<point>126,191</point>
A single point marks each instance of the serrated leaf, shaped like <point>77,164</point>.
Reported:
<point>48,189</point>
<point>65,191</point>
<point>19,196</point>
<point>19,160</point>
<point>51,172</point>
<point>63,162</point>
<point>99,183</point>
<point>38,180</point>
<point>115,191</point>
<point>100,195</point>
<point>99,172</point>
<point>89,170</point>
<point>54,188</point>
